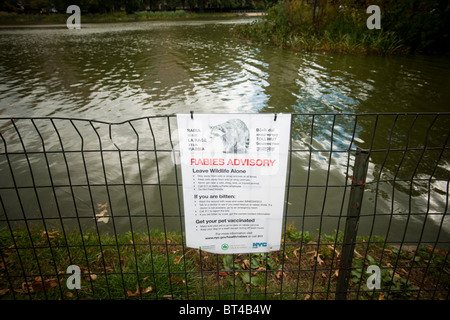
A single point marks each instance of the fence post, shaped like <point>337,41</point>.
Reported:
<point>351,223</point>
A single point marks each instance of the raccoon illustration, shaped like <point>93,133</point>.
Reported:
<point>234,134</point>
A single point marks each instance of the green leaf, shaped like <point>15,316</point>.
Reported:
<point>229,264</point>
<point>371,260</point>
<point>245,276</point>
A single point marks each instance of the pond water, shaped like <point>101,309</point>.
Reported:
<point>117,72</point>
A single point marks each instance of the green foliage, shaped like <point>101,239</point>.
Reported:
<point>397,286</point>
<point>340,26</point>
<point>251,271</point>
<point>298,236</point>
<point>114,267</point>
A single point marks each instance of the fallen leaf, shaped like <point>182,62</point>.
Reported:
<point>177,260</point>
<point>307,297</point>
<point>39,285</point>
<point>334,249</point>
<point>93,276</point>
<point>317,257</point>
<point>254,273</point>
<point>147,290</point>
<point>138,291</point>
<point>395,274</point>
<point>177,280</point>
<point>336,273</point>
<point>381,297</point>
<point>222,273</point>
<point>324,275</point>
<point>4,291</point>
<point>69,294</point>
<point>131,294</point>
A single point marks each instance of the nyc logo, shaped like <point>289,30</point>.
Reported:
<point>259,244</point>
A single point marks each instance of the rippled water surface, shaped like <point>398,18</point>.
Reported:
<point>122,71</point>
<point>117,72</point>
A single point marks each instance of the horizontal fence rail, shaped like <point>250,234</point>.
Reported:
<point>94,210</point>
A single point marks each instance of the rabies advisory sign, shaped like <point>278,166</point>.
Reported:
<point>234,175</point>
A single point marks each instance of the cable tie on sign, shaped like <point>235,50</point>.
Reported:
<point>275,119</point>
<point>192,115</point>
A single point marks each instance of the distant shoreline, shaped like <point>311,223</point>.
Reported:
<point>61,18</point>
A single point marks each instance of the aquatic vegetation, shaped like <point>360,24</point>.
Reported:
<point>341,27</point>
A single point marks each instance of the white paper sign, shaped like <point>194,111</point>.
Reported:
<point>234,174</point>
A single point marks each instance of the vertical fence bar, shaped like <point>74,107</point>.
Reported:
<point>351,223</point>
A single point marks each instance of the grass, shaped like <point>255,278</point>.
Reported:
<point>358,43</point>
<point>58,18</point>
<point>157,266</point>
<point>290,27</point>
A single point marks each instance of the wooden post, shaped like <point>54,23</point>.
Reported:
<point>351,223</point>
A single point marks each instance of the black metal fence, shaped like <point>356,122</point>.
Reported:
<point>105,198</point>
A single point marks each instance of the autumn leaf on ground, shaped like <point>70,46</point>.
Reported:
<point>177,280</point>
<point>177,259</point>
<point>131,294</point>
<point>317,257</point>
<point>245,264</point>
<point>3,292</point>
<point>334,249</point>
<point>147,290</point>
<point>254,273</point>
<point>138,292</point>
<point>39,285</point>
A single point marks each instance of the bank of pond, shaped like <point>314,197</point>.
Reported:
<point>39,264</point>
